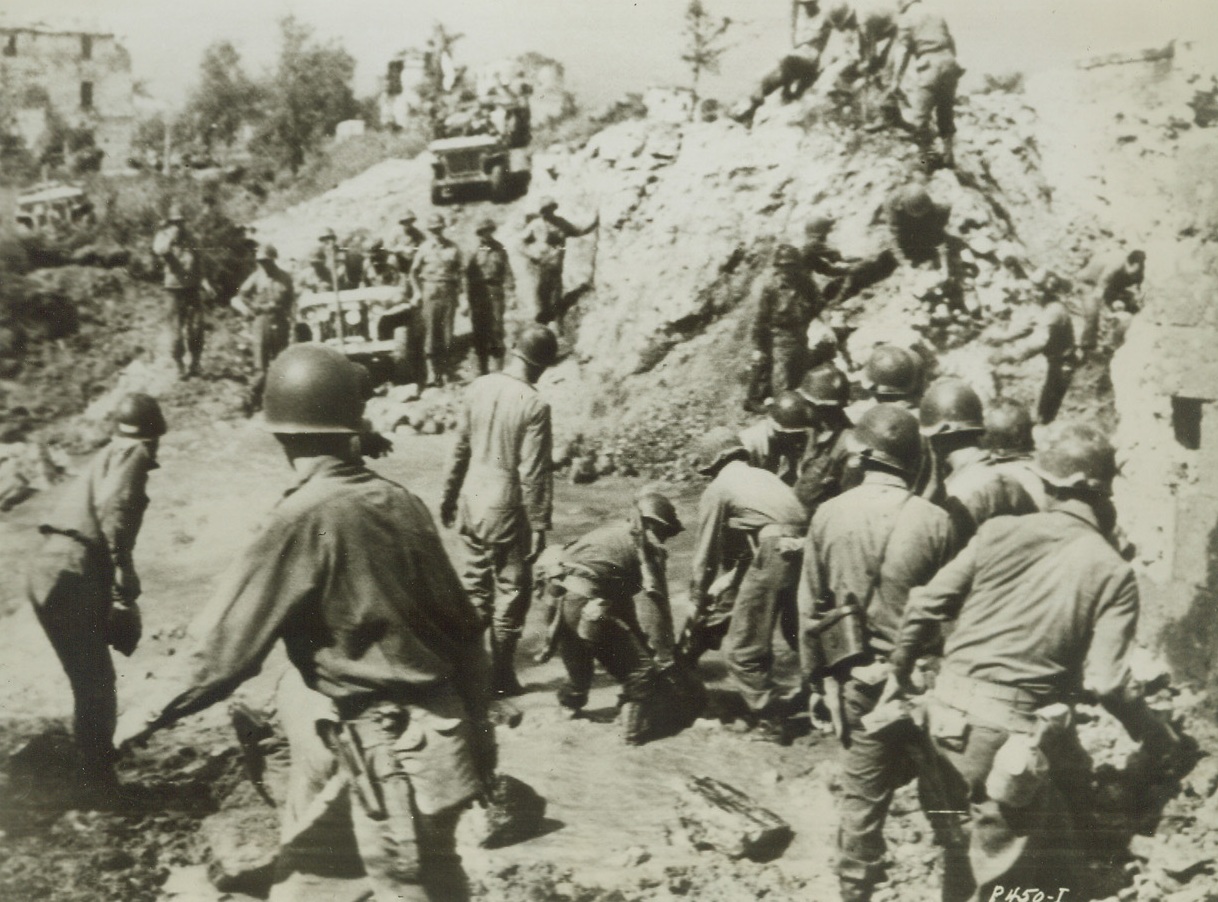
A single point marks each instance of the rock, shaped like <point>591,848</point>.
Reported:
<point>403,394</point>
<point>717,816</point>
<point>633,857</point>
<point>583,470</point>
<point>1202,780</point>
<point>515,813</point>
<point>1181,858</point>
<point>242,842</point>
<point>430,427</point>
<point>114,860</point>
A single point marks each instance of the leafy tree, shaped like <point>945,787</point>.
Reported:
<point>225,98</point>
<point>308,94</point>
<point>704,44</point>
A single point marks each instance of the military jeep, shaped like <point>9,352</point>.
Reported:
<point>373,326</point>
<point>473,163</point>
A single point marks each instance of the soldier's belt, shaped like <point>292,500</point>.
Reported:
<point>989,704</point>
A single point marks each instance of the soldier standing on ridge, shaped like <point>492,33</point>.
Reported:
<point>436,276</point>
<point>267,298</point>
<point>544,244</point>
<point>350,573</point>
<point>925,38</point>
<point>486,278</point>
<point>186,285</point>
<point>84,586</point>
<point>787,302</point>
<point>499,493</point>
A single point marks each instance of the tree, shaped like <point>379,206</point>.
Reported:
<point>225,98</point>
<point>308,94</point>
<point>703,43</point>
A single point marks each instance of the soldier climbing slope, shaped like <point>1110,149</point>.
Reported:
<point>787,301</point>
<point>926,41</point>
<point>544,245</point>
<point>499,493</point>
<point>1051,334</point>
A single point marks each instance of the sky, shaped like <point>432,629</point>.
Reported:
<point>608,47</point>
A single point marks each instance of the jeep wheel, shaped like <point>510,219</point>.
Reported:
<point>501,186</point>
<point>403,366</point>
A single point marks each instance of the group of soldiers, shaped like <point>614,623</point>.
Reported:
<point>902,47</point>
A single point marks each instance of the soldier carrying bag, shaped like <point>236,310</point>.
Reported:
<point>838,632</point>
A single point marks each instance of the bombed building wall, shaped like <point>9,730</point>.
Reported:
<point>84,77</point>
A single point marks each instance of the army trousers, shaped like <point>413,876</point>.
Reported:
<point>498,578</point>
<point>268,337</point>
<point>1059,372</point>
<point>788,352</point>
<point>439,300</point>
<point>184,327</point>
<point>70,588</point>
<point>605,630</point>
<point>933,95</point>
<point>486,311</point>
<point>547,279</point>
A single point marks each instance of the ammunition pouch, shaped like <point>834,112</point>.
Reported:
<point>838,638</point>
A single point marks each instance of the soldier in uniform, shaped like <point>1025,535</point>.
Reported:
<point>486,278</point>
<point>544,244</point>
<point>1041,604</point>
<point>925,39</point>
<point>379,267</point>
<point>610,595</point>
<point>824,469</point>
<point>1008,439</point>
<point>787,302</point>
<point>499,493</point>
<point>1050,333</point>
<point>777,443</point>
<point>186,285</point>
<point>918,225</point>
<point>868,547</point>
<point>267,298</point>
<point>84,585</point>
<point>976,489</point>
<point>745,573</point>
<point>1118,286</point>
<point>436,277</point>
<point>404,246</point>
<point>329,263</point>
<point>350,573</point>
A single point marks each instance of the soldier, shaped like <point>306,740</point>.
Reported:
<point>797,71</point>
<point>976,490</point>
<point>787,302</point>
<point>267,298</point>
<point>1050,333</point>
<point>351,574</point>
<point>186,285</point>
<point>83,582</point>
<point>866,549</point>
<point>329,263</point>
<point>499,493</point>
<point>610,591</point>
<point>894,375</point>
<point>824,467</point>
<point>778,442</point>
<point>1118,286</point>
<point>1039,604</point>
<point>918,225</point>
<point>436,276</point>
<point>847,276</point>
<point>544,245</point>
<point>486,278</point>
<point>925,37</point>
<point>1008,439</point>
<point>745,573</point>
<point>379,268</point>
<point>404,246</point>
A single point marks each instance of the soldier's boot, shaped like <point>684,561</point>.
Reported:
<point>503,665</point>
<point>949,151</point>
<point>634,723</point>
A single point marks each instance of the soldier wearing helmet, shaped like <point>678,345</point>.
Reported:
<point>187,286</point>
<point>403,246</point>
<point>924,37</point>
<point>610,595</point>
<point>918,225</point>
<point>499,493</point>
<point>544,244</point>
<point>1008,441</point>
<point>379,268</point>
<point>976,489</point>
<point>436,275</point>
<point>1050,333</point>
<point>745,570</point>
<point>268,299</point>
<point>84,585</point>
<point>823,470</point>
<point>865,551</point>
<point>329,263</point>
<point>350,573</point>
<point>1039,604</point>
<point>487,276</point>
<point>777,443</point>
<point>787,301</point>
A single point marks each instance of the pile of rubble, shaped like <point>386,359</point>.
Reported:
<point>403,408</point>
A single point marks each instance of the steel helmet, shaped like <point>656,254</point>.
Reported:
<point>893,371</point>
<point>486,225</point>
<point>408,216</point>
<point>791,412</point>
<point>312,388</point>
<point>786,255</point>
<point>657,508</point>
<point>887,435</point>
<point>436,221</point>
<point>139,416</point>
<point>328,235</point>
<point>950,406</point>
<point>819,226</point>
<point>1077,457</point>
<point>916,200</point>
<point>537,345</point>
<point>268,252</point>
<point>826,387</point>
<point>716,448</point>
<point>1008,428</point>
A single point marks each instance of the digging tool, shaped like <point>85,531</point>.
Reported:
<point>251,730</point>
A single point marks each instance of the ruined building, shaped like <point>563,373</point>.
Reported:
<point>82,77</point>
